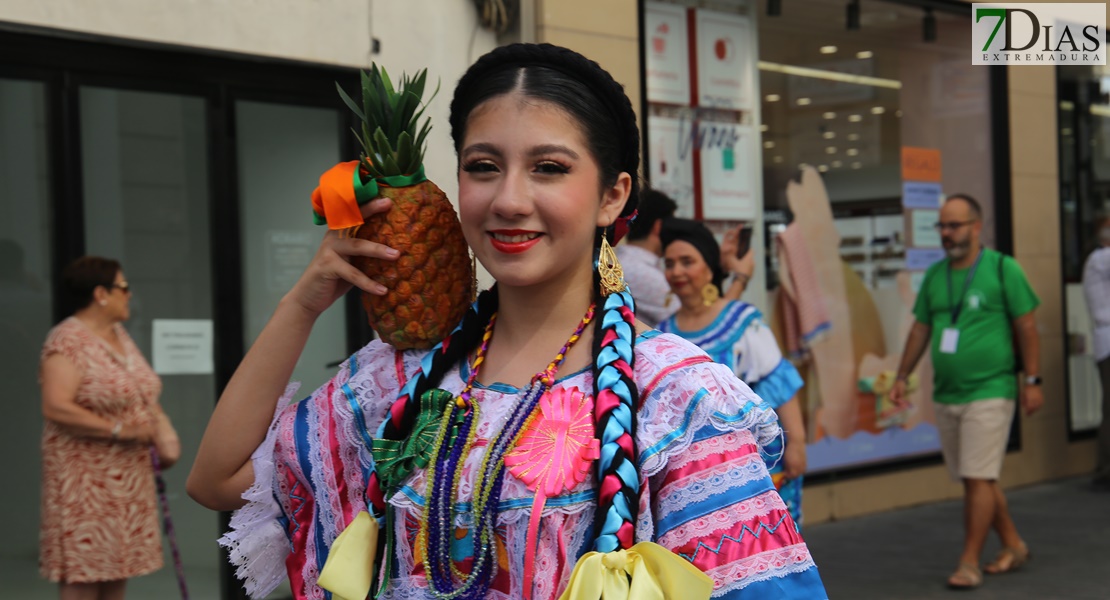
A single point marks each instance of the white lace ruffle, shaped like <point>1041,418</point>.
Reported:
<point>715,481</point>
<point>724,519</point>
<point>256,543</point>
<point>504,517</point>
<point>686,400</point>
<point>780,562</point>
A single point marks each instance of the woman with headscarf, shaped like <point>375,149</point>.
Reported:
<point>733,333</point>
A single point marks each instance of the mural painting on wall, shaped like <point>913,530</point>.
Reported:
<point>827,319</point>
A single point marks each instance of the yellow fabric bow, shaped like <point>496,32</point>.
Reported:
<point>350,565</point>
<point>646,571</point>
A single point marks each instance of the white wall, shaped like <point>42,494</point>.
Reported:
<point>441,35</point>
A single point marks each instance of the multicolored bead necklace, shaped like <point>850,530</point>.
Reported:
<point>453,444</point>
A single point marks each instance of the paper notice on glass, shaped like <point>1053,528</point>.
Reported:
<point>923,227</point>
<point>725,60</point>
<point>921,194</point>
<point>919,259</point>
<point>726,174</point>
<point>288,253</point>
<point>182,346</point>
<point>670,152</point>
<point>667,53</point>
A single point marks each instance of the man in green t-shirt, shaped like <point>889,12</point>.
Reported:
<point>969,306</point>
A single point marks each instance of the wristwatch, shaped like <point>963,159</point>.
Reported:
<point>1033,380</point>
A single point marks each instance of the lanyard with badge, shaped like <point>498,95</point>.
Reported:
<point>950,337</point>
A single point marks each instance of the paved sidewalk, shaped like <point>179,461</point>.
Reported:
<point>908,554</point>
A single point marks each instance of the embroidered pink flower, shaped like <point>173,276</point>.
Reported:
<point>553,454</point>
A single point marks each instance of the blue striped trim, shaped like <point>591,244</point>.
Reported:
<point>511,504</point>
<point>822,328</point>
<point>779,386</point>
<point>681,431</point>
<point>356,409</point>
<point>713,504</point>
<point>725,323</point>
<point>300,431</point>
<point>360,423</point>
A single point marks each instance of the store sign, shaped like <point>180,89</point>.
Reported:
<point>726,179</point>
<point>724,60</point>
<point>921,194</point>
<point>671,166</point>
<point>1038,34</point>
<point>668,54</point>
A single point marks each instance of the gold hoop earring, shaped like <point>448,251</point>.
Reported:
<point>609,269</point>
<point>710,294</point>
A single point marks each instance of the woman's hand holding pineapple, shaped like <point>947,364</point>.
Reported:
<point>330,275</point>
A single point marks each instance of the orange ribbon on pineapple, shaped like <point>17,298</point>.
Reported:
<point>341,191</point>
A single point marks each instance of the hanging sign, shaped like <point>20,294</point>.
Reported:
<point>726,174</point>
<point>668,54</point>
<point>724,60</point>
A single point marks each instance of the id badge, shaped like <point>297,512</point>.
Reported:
<point>949,339</point>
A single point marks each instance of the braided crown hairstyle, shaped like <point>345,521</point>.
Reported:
<point>604,113</point>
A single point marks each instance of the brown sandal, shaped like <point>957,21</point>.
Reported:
<point>1009,559</point>
<point>966,577</point>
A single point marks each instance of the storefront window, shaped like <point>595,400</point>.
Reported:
<point>853,136</point>
<point>25,317</point>
<point>1084,123</point>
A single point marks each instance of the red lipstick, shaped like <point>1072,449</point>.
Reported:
<point>513,247</point>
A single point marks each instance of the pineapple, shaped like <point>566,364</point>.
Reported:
<point>433,282</point>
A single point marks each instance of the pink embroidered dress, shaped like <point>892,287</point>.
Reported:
<point>706,494</point>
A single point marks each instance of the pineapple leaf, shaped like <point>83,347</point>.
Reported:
<point>388,84</point>
<point>361,142</point>
<point>394,128</point>
<point>391,165</point>
<point>350,103</point>
<point>402,119</point>
<point>404,153</point>
<point>381,143</point>
<point>420,139</point>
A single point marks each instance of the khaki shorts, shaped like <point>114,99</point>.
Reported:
<point>973,436</point>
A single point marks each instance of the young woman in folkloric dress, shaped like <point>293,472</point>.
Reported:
<point>549,430</point>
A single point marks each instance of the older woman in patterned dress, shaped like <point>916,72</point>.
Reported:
<point>100,402</point>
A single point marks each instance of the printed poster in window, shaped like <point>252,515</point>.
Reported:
<point>672,167</point>
<point>725,60</point>
<point>726,173</point>
<point>668,54</point>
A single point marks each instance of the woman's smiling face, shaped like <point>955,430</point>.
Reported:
<point>685,269</point>
<point>530,194</point>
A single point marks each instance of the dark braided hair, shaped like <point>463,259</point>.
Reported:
<point>599,105</point>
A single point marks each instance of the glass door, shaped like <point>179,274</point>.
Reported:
<point>25,319</point>
<point>282,150</point>
<point>146,190</point>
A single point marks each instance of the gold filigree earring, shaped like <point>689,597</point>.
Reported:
<point>710,294</point>
<point>609,269</point>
